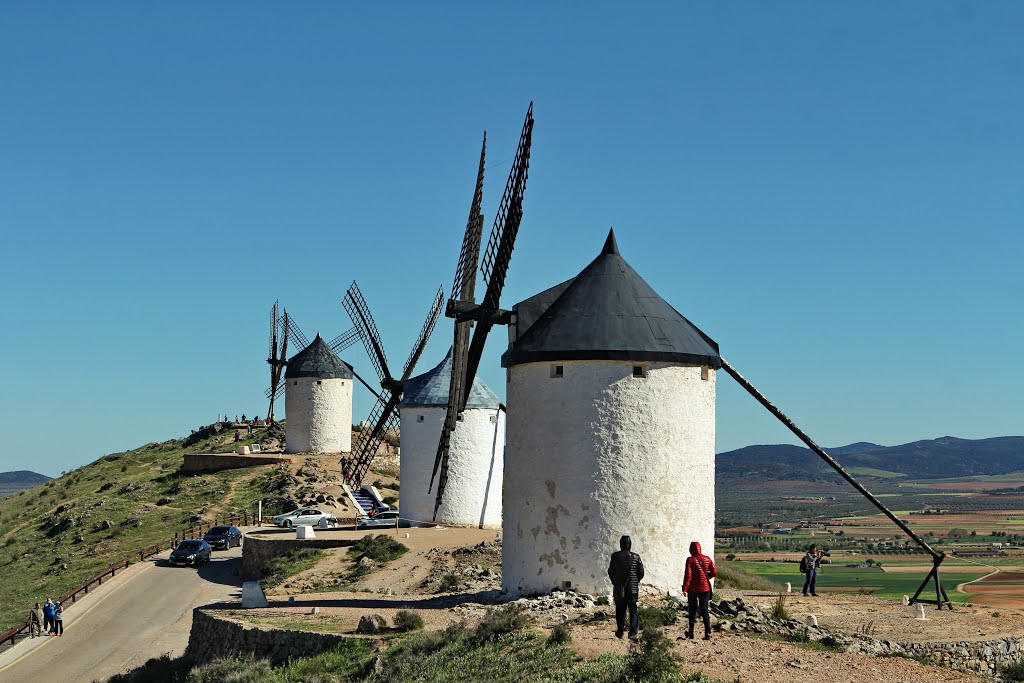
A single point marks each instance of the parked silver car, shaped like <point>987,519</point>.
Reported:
<point>304,517</point>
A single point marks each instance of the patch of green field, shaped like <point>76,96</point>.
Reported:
<point>872,472</point>
<point>880,583</point>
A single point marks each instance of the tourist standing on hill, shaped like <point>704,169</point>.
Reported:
<point>626,570</point>
<point>809,566</point>
<point>48,615</point>
<point>35,621</point>
<point>700,569</point>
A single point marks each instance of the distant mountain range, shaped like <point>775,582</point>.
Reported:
<point>941,458</point>
<point>22,479</point>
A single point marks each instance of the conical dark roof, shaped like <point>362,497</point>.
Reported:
<point>431,389</point>
<point>608,312</point>
<point>317,360</point>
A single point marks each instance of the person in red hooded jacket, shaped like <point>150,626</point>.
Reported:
<point>700,569</point>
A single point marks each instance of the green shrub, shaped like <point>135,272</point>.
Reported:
<point>665,614</point>
<point>390,500</point>
<point>379,548</point>
<point>651,656</point>
<point>779,612</point>
<point>497,622</point>
<point>449,583</point>
<point>406,620</point>
<point>560,635</point>
<point>1014,673</point>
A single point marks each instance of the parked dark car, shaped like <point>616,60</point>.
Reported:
<point>191,552</point>
<point>224,537</point>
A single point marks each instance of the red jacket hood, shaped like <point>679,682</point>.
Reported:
<point>695,549</point>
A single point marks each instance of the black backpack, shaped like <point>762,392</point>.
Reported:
<point>803,564</point>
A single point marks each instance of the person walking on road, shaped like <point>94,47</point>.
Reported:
<point>58,619</point>
<point>48,616</point>
<point>35,621</point>
<point>809,566</point>
<point>700,569</point>
<point>626,570</point>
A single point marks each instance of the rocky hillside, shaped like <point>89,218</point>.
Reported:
<point>60,532</point>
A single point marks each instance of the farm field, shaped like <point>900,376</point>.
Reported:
<point>876,581</point>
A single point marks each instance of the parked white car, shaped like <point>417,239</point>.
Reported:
<point>304,517</point>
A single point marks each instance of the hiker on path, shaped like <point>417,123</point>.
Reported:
<point>58,619</point>
<point>809,566</point>
<point>626,570</point>
<point>48,616</point>
<point>35,621</point>
<point>700,569</point>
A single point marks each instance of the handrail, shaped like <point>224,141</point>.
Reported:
<point>243,517</point>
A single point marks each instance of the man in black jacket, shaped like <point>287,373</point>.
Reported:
<point>626,570</point>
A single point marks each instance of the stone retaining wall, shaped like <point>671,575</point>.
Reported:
<point>258,552</point>
<point>213,636</point>
<point>981,656</point>
<point>214,462</point>
<point>986,657</point>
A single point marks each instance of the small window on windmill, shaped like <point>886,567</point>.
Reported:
<point>639,371</point>
<point>567,585</point>
<point>705,373</point>
<point>419,418</point>
<point>557,371</point>
<point>295,382</point>
<point>494,419</point>
<point>319,381</point>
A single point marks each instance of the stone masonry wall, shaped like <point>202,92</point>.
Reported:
<point>214,462</point>
<point>984,656</point>
<point>213,636</point>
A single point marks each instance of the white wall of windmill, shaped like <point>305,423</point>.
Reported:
<point>475,467</point>
<point>319,415</point>
<point>597,454</point>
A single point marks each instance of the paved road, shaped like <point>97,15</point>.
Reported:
<point>144,613</point>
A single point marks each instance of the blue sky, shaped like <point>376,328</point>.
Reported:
<point>832,192</point>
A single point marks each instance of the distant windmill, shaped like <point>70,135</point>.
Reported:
<point>382,417</point>
<point>282,329</point>
<point>462,306</point>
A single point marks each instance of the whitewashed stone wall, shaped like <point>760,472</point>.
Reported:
<point>598,454</point>
<point>319,415</point>
<point>472,496</point>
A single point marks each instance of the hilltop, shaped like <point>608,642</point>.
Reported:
<point>12,482</point>
<point>942,458</point>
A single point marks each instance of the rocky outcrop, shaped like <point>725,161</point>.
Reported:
<point>984,657</point>
<point>215,636</point>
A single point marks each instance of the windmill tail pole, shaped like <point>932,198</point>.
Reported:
<point>936,556</point>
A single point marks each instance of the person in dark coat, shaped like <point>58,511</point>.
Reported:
<point>626,570</point>
<point>700,569</point>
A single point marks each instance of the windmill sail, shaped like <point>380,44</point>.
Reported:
<point>466,357</point>
<point>383,418</point>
